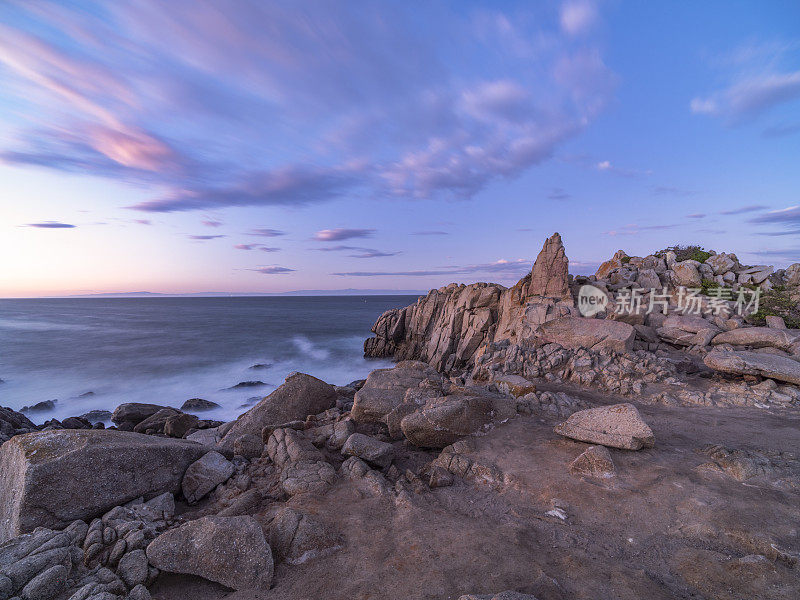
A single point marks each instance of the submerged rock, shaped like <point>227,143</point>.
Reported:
<point>198,404</point>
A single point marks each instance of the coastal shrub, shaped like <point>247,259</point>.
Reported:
<point>778,303</point>
<point>625,260</point>
<point>690,252</point>
<point>708,286</point>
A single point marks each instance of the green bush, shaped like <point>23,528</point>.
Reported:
<point>776,303</point>
<point>707,286</point>
<point>625,260</point>
<point>690,252</point>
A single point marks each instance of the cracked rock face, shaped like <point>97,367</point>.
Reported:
<point>617,426</point>
<point>550,273</point>
<point>302,467</point>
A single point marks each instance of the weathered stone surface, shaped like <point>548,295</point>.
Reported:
<point>300,395</point>
<point>775,322</point>
<point>178,425</point>
<point>773,366</point>
<point>594,334</point>
<point>550,273</point>
<point>507,595</point>
<point>369,449</point>
<point>608,266</point>
<point>155,422</point>
<point>47,584</point>
<point>722,263</point>
<point>686,274</point>
<point>303,468</point>
<point>386,388</point>
<point>132,568</point>
<point>445,420</point>
<point>759,337</point>
<point>248,445</point>
<point>228,550</point>
<point>204,475</point>
<point>52,478</point>
<point>617,426</point>
<point>595,461</point>
<point>296,538</point>
<point>341,431</point>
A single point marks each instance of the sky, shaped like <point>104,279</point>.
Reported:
<point>185,146</point>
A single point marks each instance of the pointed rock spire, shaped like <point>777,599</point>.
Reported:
<point>550,273</point>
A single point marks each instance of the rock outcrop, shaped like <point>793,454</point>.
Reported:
<point>753,363</point>
<point>52,478</point>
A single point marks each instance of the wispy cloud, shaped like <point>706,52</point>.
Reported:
<point>274,270</point>
<point>518,266</point>
<point>430,232</point>
<point>205,237</point>
<point>668,190</point>
<point>51,225</point>
<point>359,251</point>
<point>211,223</point>
<point>632,229</point>
<point>264,232</point>
<point>696,216</point>
<point>578,16</point>
<point>744,209</point>
<point>143,221</point>
<point>558,194</point>
<point>606,166</point>
<point>759,79</point>
<point>338,235</point>
<point>256,247</point>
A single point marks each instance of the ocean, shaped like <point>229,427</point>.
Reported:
<point>96,353</point>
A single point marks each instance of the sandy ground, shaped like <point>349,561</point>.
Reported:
<point>670,524</point>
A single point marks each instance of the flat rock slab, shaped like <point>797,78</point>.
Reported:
<point>232,551</point>
<point>594,334</point>
<point>51,478</point>
<point>773,366</point>
<point>595,461</point>
<point>759,337</point>
<point>616,426</point>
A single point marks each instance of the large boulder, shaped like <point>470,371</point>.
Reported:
<point>594,334</point>
<point>300,395</point>
<point>232,551</point>
<point>52,478</point>
<point>773,366</point>
<point>722,263</point>
<point>759,337</point>
<point>615,263</point>
<point>687,330</point>
<point>303,468</point>
<point>443,421</point>
<point>616,426</point>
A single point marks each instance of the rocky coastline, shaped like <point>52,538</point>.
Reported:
<point>517,450</point>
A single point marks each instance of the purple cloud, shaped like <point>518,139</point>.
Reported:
<point>430,232</point>
<point>205,237</point>
<point>211,223</point>
<point>256,247</point>
<point>264,232</point>
<point>337,235</point>
<point>51,225</point>
<point>352,98</point>
<point>359,251</point>
<point>273,270</point>
<point>744,209</point>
